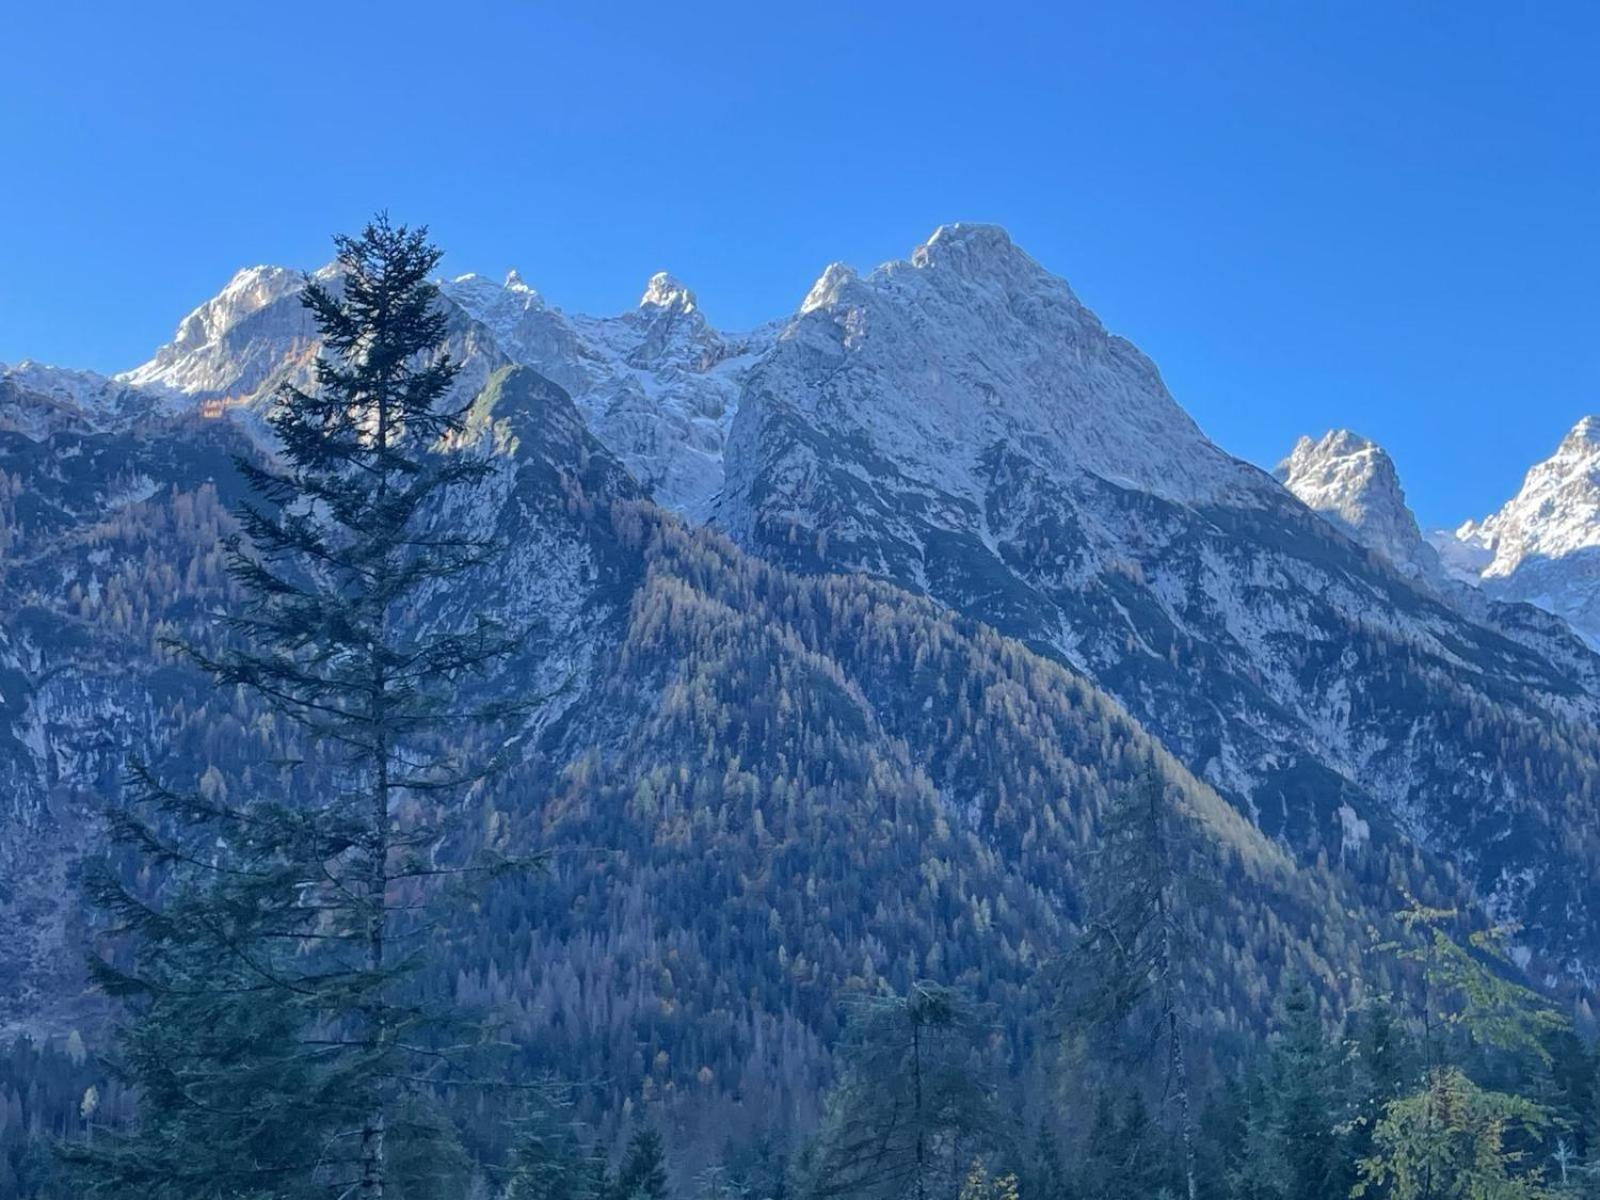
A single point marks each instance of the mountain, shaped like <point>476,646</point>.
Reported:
<point>237,341</point>
<point>961,424</point>
<point>36,400</point>
<point>230,355</point>
<point>1543,546</point>
<point>767,790</point>
<point>920,568</point>
<point>1352,481</point>
<point>658,384</point>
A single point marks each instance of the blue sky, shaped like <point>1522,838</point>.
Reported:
<point>1381,215</point>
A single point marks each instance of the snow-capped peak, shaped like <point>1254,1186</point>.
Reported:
<point>667,294</point>
<point>1543,546</point>
<point>1582,439</point>
<point>229,343</point>
<point>968,345</point>
<point>491,302</point>
<point>969,240</point>
<point>826,289</point>
<point>1557,512</point>
<point>1352,482</point>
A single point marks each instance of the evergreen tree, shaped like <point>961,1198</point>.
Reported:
<point>597,1172</point>
<point>913,1106</point>
<point>1255,1168</point>
<point>643,1173</point>
<point>548,1163</point>
<point>1127,975</point>
<point>1305,1102</point>
<point>1454,1136</point>
<point>426,1158</point>
<point>274,1033</point>
<point>1046,1178</point>
<point>1383,1067</point>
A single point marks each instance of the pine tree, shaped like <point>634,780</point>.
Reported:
<point>1454,1138</point>
<point>643,1173</point>
<point>1046,1178</point>
<point>273,1022</point>
<point>913,1106</point>
<point>1127,975</point>
<point>1304,1102</point>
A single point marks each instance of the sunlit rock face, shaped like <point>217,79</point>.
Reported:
<point>1543,546</point>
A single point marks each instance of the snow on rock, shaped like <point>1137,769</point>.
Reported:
<point>1543,546</point>
<point>36,400</point>
<point>657,385</point>
<point>234,343</point>
<point>1352,481</point>
<point>960,423</point>
<point>931,362</point>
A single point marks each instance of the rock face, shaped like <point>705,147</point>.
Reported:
<point>37,400</point>
<point>658,386</point>
<point>1543,546</point>
<point>236,342</point>
<point>1352,481</point>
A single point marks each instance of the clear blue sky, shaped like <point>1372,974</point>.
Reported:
<point>1383,214</point>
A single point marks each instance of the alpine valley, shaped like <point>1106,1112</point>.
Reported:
<point>845,630</point>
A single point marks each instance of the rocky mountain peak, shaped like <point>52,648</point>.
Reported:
<point>968,244</point>
<point>666,294</point>
<point>1557,511</point>
<point>825,291</point>
<point>1582,440</point>
<point>231,343</point>
<point>1352,482</point>
<point>1543,545</point>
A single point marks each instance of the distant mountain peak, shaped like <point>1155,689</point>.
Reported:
<point>825,290</point>
<point>229,343</point>
<point>976,251</point>
<point>1582,438</point>
<point>1543,545</point>
<point>975,239</point>
<point>666,294</point>
<point>1352,481</point>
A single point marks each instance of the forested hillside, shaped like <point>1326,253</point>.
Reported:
<point>759,878</point>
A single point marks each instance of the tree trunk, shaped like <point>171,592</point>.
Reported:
<point>373,1131</point>
<point>916,1077</point>
<point>1180,1081</point>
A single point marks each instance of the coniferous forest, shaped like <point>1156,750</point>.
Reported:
<point>768,886</point>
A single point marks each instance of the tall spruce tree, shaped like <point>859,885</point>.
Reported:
<point>1126,978</point>
<point>913,1106</point>
<point>643,1173</point>
<point>1305,1102</point>
<point>274,1029</point>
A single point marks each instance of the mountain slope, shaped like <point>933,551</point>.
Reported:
<point>1351,482</point>
<point>960,424</point>
<point>766,790</point>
